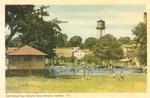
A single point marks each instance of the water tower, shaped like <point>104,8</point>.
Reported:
<point>100,27</point>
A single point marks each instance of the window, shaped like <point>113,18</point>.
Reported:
<point>14,58</point>
<point>27,58</point>
<point>39,58</point>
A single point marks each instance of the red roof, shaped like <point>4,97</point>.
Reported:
<point>11,50</point>
<point>26,50</point>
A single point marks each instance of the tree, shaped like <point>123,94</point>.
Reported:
<point>108,48</point>
<point>15,42</point>
<point>43,35</point>
<point>62,41</point>
<point>90,58</point>
<point>15,16</point>
<point>75,41</point>
<point>142,54</point>
<point>32,29</point>
<point>90,42</point>
<point>140,31</point>
<point>124,40</point>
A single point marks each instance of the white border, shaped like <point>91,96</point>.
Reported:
<point>72,2</point>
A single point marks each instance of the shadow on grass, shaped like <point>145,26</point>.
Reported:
<point>38,73</point>
<point>65,77</point>
<point>23,73</point>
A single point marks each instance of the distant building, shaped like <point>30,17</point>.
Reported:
<point>63,52</point>
<point>71,51</point>
<point>25,57</point>
<point>80,53</point>
<point>129,51</point>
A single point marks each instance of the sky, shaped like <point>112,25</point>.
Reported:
<point>82,19</point>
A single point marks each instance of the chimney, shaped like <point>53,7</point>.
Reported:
<point>145,18</point>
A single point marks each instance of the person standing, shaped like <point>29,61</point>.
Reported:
<point>121,76</point>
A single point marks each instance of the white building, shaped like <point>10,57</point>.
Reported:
<point>79,54</point>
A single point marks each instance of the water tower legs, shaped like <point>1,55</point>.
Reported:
<point>101,34</point>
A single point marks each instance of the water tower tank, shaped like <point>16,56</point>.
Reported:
<point>100,25</point>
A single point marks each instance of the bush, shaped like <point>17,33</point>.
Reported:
<point>90,59</point>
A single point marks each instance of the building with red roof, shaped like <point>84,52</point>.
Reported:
<point>25,57</point>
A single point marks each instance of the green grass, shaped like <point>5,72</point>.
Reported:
<point>73,84</point>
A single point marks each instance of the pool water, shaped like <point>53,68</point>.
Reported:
<point>59,70</point>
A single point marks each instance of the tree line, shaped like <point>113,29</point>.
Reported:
<point>31,29</point>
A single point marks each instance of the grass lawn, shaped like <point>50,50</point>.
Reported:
<point>73,84</point>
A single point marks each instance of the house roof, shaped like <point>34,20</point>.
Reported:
<point>26,50</point>
<point>11,49</point>
<point>66,52</point>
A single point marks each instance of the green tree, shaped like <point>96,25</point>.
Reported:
<point>134,41</point>
<point>140,31</point>
<point>142,54</point>
<point>15,42</point>
<point>32,29</point>
<point>43,35</point>
<point>90,58</point>
<point>90,42</point>
<point>62,41</point>
<point>124,40</point>
<point>15,16</point>
<point>75,41</point>
<point>81,46</point>
<point>108,48</point>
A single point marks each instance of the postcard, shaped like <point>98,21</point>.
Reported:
<point>74,49</point>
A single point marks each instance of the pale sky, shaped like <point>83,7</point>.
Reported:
<point>119,19</point>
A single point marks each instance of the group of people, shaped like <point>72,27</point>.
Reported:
<point>119,76</point>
